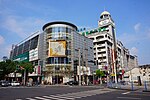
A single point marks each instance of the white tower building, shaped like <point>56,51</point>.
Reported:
<point>104,41</point>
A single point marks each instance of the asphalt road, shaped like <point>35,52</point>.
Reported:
<point>70,93</point>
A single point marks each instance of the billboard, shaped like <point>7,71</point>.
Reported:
<point>33,54</point>
<point>22,57</point>
<point>57,48</point>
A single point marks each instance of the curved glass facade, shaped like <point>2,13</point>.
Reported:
<point>58,33</point>
<point>59,43</point>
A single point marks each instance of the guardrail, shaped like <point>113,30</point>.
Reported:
<point>130,86</point>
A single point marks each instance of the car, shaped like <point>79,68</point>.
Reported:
<point>15,83</point>
<point>4,83</point>
<point>73,83</point>
<point>122,82</point>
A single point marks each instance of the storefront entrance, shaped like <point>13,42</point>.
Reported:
<point>57,79</point>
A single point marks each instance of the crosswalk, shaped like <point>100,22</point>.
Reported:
<point>70,96</point>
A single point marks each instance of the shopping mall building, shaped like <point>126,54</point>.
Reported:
<point>57,53</point>
<point>60,52</point>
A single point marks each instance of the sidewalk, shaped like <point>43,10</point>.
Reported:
<point>129,87</point>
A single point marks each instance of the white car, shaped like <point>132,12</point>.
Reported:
<point>15,83</point>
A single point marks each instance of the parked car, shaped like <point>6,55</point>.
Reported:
<point>72,83</point>
<point>122,82</point>
<point>15,83</point>
<point>4,83</point>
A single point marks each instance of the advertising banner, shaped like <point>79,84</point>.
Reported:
<point>57,48</point>
<point>22,57</point>
<point>33,54</point>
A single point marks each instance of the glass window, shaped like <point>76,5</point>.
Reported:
<point>53,29</point>
<point>62,60</point>
<point>34,42</point>
<point>15,51</point>
<point>26,46</point>
<point>59,29</point>
<point>66,29</point>
<point>49,30</point>
<point>59,60</point>
<point>69,30</point>
<point>20,49</point>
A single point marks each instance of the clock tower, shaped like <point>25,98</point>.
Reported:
<point>107,22</point>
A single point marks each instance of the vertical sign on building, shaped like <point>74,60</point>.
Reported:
<point>39,70</point>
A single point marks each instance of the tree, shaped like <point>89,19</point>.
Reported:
<point>9,66</point>
<point>6,67</point>
<point>100,74</point>
<point>25,68</point>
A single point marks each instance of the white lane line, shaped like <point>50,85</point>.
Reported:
<point>41,98</point>
<point>18,99</point>
<point>53,98</point>
<point>129,98</point>
<point>63,97</point>
<point>30,99</point>
<point>126,93</point>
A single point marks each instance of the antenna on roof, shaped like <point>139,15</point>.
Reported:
<point>104,8</point>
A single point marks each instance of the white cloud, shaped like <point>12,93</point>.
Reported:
<point>5,50</point>
<point>137,27</point>
<point>148,33</point>
<point>22,27</point>
<point>1,40</point>
<point>134,51</point>
<point>14,26</point>
<point>127,38</point>
<point>141,33</point>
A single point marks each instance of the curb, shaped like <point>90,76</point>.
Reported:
<point>146,90</point>
<point>123,89</point>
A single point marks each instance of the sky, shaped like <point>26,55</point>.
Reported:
<point>21,18</point>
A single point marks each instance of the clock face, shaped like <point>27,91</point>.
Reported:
<point>104,22</point>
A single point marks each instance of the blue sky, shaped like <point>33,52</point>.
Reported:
<point>20,18</point>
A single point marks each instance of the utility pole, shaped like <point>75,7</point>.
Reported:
<point>79,67</point>
<point>24,81</point>
<point>114,65</point>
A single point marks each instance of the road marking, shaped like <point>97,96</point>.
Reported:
<point>53,98</point>
<point>71,96</point>
<point>126,93</point>
<point>31,99</point>
<point>41,98</point>
<point>129,98</point>
<point>62,97</point>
